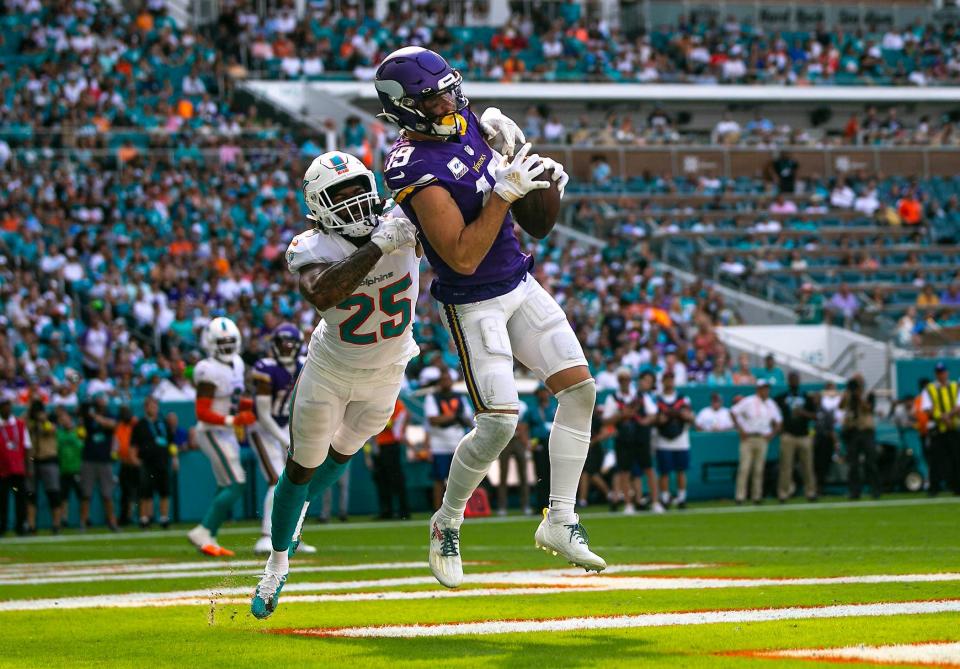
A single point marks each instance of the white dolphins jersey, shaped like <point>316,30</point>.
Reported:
<point>227,380</point>
<point>371,329</point>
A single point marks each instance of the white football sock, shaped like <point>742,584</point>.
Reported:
<point>278,562</point>
<point>267,511</point>
<point>478,449</point>
<point>569,443</point>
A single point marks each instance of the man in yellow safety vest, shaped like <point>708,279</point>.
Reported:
<point>940,403</point>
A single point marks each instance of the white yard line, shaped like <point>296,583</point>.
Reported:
<point>937,654</point>
<point>141,572</point>
<point>550,581</point>
<point>313,528</point>
<point>644,620</point>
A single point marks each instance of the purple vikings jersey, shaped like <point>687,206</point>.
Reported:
<point>464,167</point>
<point>281,386</point>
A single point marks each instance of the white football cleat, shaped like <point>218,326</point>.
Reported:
<point>569,540</point>
<point>444,554</point>
<point>657,508</point>
<point>304,547</point>
<point>263,546</point>
<point>267,595</point>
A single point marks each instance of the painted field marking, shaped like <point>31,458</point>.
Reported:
<point>253,530</point>
<point>581,624</point>
<point>142,572</point>
<point>941,654</point>
<point>541,582</point>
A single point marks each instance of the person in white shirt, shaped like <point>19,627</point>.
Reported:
<point>607,378</point>
<point>727,131</point>
<point>758,420</point>
<point>448,417</point>
<point>714,418</point>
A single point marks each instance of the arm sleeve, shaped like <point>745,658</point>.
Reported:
<point>266,421</point>
<point>430,408</point>
<point>408,172</point>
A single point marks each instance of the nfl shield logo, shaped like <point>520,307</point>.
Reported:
<point>457,168</point>
<point>469,150</point>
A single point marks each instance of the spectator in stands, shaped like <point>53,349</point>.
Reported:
<point>942,406</point>
<point>720,375</point>
<point>757,419</point>
<point>386,465</point>
<point>842,196</point>
<point>152,446</point>
<point>927,298</point>
<point>809,307</point>
<point>600,171</point>
<point>608,377</point>
<point>448,416</point>
<point>858,432</point>
<point>44,466</point>
<point>743,375</point>
<point>727,131</point>
<point>540,419</point>
<point>770,372</point>
<point>96,470</point>
<point>14,444</point>
<point>867,201</point>
<point>784,169</point>
<point>715,417</point>
<point>796,442</point>
<point>130,464</point>
<point>700,368</point>
<point>910,209</point>
<point>781,205</point>
<point>951,295</point>
<point>844,307</point>
<point>671,440</point>
<point>184,439</point>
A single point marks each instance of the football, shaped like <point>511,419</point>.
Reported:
<point>537,211</point>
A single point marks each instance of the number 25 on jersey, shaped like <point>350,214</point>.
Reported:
<point>388,305</point>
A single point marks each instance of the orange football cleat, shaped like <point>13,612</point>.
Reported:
<point>225,552</point>
<point>211,550</point>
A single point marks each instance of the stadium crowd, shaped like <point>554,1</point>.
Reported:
<point>560,44</point>
<point>137,204</point>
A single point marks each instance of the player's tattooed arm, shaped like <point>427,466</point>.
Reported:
<point>325,285</point>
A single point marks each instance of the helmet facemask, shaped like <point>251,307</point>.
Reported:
<point>352,216</point>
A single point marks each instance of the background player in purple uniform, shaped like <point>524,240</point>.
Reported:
<point>275,377</point>
<point>457,190</point>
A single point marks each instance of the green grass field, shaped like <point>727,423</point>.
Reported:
<point>731,581</point>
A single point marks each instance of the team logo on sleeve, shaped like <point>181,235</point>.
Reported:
<point>457,168</point>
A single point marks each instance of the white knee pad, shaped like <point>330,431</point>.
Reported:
<point>493,432</point>
<point>575,405</point>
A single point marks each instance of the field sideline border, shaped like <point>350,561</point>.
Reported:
<point>368,525</point>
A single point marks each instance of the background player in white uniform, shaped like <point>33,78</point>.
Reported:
<point>361,271</point>
<point>274,378</point>
<point>221,409</point>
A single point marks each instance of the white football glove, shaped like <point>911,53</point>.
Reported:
<point>559,175</point>
<point>394,233</point>
<point>515,178</point>
<point>502,133</point>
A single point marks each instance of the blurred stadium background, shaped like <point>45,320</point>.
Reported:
<point>748,179</point>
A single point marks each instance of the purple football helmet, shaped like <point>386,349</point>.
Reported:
<point>407,78</point>
<point>286,342</point>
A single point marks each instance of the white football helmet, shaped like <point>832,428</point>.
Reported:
<point>349,217</point>
<point>221,339</point>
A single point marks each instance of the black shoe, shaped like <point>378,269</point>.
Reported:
<point>165,523</point>
<point>812,499</point>
<point>682,505</point>
<point>343,517</point>
<point>404,516</point>
<point>782,500</point>
<point>113,527</point>
<point>323,520</point>
<point>382,516</point>
<point>55,530</point>
<point>757,502</point>
<point>854,498</point>
<point>144,524</point>
<point>738,502</point>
